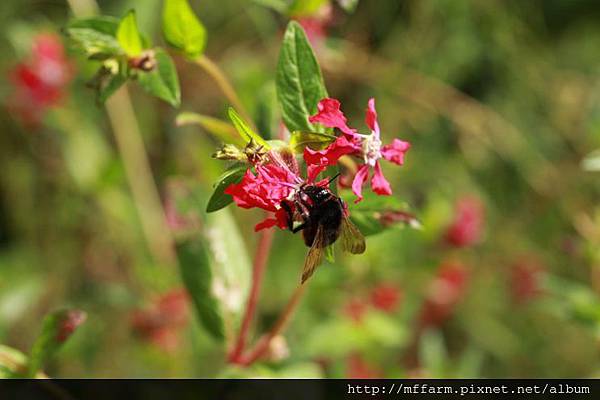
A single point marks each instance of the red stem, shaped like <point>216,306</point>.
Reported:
<point>260,263</point>
<point>262,346</point>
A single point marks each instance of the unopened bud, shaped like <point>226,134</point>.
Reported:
<point>145,62</point>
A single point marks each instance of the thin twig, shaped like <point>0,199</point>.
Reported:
<point>260,263</point>
<point>212,69</point>
<point>262,346</point>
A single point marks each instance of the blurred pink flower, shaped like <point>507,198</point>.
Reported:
<point>358,368</point>
<point>443,294</point>
<point>355,309</point>
<point>161,322</point>
<point>526,277</point>
<point>386,297</point>
<point>316,25</point>
<point>367,147</point>
<point>40,82</point>
<point>467,227</point>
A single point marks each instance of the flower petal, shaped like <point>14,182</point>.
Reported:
<point>395,152</point>
<point>371,117</point>
<point>379,184</point>
<point>359,179</point>
<point>331,116</point>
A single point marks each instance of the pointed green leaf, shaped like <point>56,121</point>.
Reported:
<point>162,81</point>
<point>219,199</point>
<point>182,29</point>
<point>314,140</point>
<point>221,130</point>
<point>245,131</point>
<point>129,36</point>
<point>95,36</point>
<point>299,81</point>
<point>305,7</point>
<point>56,329</point>
<point>197,277</point>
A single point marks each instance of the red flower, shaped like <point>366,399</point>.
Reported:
<point>386,297</point>
<point>358,368</point>
<point>39,83</point>
<point>467,227</point>
<point>443,294</point>
<point>526,280</point>
<point>355,309</point>
<point>368,147</point>
<point>274,182</point>
<point>161,322</point>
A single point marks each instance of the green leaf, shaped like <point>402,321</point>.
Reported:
<point>96,36</point>
<point>56,329</point>
<point>162,81</point>
<point>107,84</point>
<point>245,131</point>
<point>221,130</point>
<point>12,362</point>
<point>299,82</point>
<point>197,277</point>
<point>376,214</point>
<point>230,264</point>
<point>305,7</point>
<point>219,199</point>
<point>182,29</point>
<point>129,36</point>
<point>315,140</point>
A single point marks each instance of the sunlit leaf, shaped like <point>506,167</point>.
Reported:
<point>299,82</point>
<point>128,35</point>
<point>95,36</point>
<point>305,7</point>
<point>182,29</point>
<point>592,161</point>
<point>315,140</point>
<point>221,130</point>
<point>56,329</point>
<point>245,131</point>
<point>162,81</point>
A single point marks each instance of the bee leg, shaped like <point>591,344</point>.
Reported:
<point>299,228</point>
<point>290,215</point>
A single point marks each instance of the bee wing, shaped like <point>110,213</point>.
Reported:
<point>353,240</point>
<point>315,254</point>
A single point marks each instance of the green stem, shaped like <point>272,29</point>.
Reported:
<point>212,69</point>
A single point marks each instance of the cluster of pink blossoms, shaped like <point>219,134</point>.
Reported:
<point>40,81</point>
<point>277,178</point>
<point>368,148</point>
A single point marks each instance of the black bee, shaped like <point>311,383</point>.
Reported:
<point>323,220</point>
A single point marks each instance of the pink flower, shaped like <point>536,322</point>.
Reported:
<point>273,182</point>
<point>367,147</point>
<point>467,227</point>
<point>39,83</point>
<point>161,322</point>
<point>386,297</point>
<point>444,292</point>
<point>526,278</point>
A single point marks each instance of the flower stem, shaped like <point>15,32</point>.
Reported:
<point>262,346</point>
<point>136,163</point>
<point>212,69</point>
<point>260,263</point>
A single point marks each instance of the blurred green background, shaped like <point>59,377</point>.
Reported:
<point>501,103</point>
